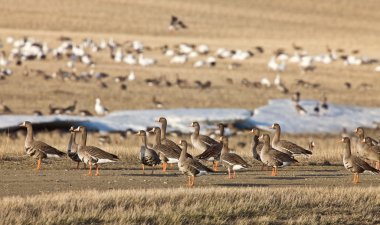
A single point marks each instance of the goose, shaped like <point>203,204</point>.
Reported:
<point>72,148</point>
<point>92,155</point>
<point>189,166</point>
<point>176,24</point>
<point>360,145</point>
<point>272,157</point>
<point>280,85</point>
<point>231,160</point>
<point>4,108</point>
<point>147,155</point>
<point>257,145</point>
<point>146,61</point>
<point>354,164</point>
<point>71,108</point>
<point>38,149</point>
<point>157,103</point>
<point>210,148</point>
<point>370,151</point>
<point>167,154</point>
<point>300,110</point>
<point>131,76</point>
<point>286,146</point>
<point>99,108</point>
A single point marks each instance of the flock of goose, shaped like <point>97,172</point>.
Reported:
<point>273,151</point>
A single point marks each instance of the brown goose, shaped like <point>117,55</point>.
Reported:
<point>273,157</point>
<point>147,155</point>
<point>167,154</point>
<point>211,148</point>
<point>360,144</point>
<point>286,146</point>
<point>231,160</point>
<point>92,155</point>
<point>38,149</point>
<point>371,152</point>
<point>72,148</point>
<point>189,166</point>
<point>256,146</point>
<point>354,164</point>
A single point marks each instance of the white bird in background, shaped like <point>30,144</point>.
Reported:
<point>99,108</point>
<point>146,61</point>
<point>131,76</point>
<point>265,82</point>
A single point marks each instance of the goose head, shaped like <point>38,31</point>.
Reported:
<point>25,124</point>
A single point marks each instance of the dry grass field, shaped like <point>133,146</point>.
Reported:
<point>316,191</point>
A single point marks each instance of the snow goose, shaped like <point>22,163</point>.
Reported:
<point>203,49</point>
<point>279,84</point>
<point>130,59</point>
<point>231,160</point>
<point>285,146</point>
<point>99,108</point>
<point>146,61</point>
<point>354,164</point>
<point>72,148</point>
<point>167,154</point>
<point>210,148</point>
<point>131,76</point>
<point>272,157</point>
<point>179,59</point>
<point>92,155</point>
<point>147,156</point>
<point>38,149</point>
<point>188,166</point>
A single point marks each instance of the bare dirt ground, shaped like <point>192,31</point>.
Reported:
<point>18,178</point>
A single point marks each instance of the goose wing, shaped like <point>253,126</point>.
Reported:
<point>207,140</point>
<point>234,159</point>
<point>149,156</point>
<point>165,150</point>
<point>211,151</point>
<point>171,144</point>
<point>99,154</point>
<point>293,148</point>
<point>362,164</point>
<point>281,157</point>
<point>47,149</point>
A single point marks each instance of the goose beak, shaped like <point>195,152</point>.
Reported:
<point>77,130</point>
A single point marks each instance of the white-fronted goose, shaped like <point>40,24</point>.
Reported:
<point>354,164</point>
<point>72,148</point>
<point>167,154</point>
<point>92,155</point>
<point>148,156</point>
<point>256,146</point>
<point>231,160</point>
<point>286,146</point>
<point>211,148</point>
<point>371,152</point>
<point>189,166</point>
<point>274,158</point>
<point>176,24</point>
<point>165,141</point>
<point>38,149</point>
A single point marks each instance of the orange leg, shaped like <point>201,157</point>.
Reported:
<point>39,164</point>
<point>78,166</point>
<point>189,181</point>
<point>192,181</point>
<point>273,171</point>
<point>377,165</point>
<point>90,170</point>
<point>234,176</point>
<point>84,166</point>
<point>215,165</point>
<point>229,173</point>
<point>97,170</point>
<point>164,165</point>
<point>143,168</point>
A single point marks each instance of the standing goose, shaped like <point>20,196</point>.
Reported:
<point>171,144</point>
<point>371,152</point>
<point>167,154</point>
<point>38,149</point>
<point>147,155</point>
<point>273,157</point>
<point>231,160</point>
<point>72,148</point>
<point>256,146</point>
<point>354,164</point>
<point>188,166</point>
<point>360,144</point>
<point>92,155</point>
<point>211,148</point>
<point>286,146</point>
